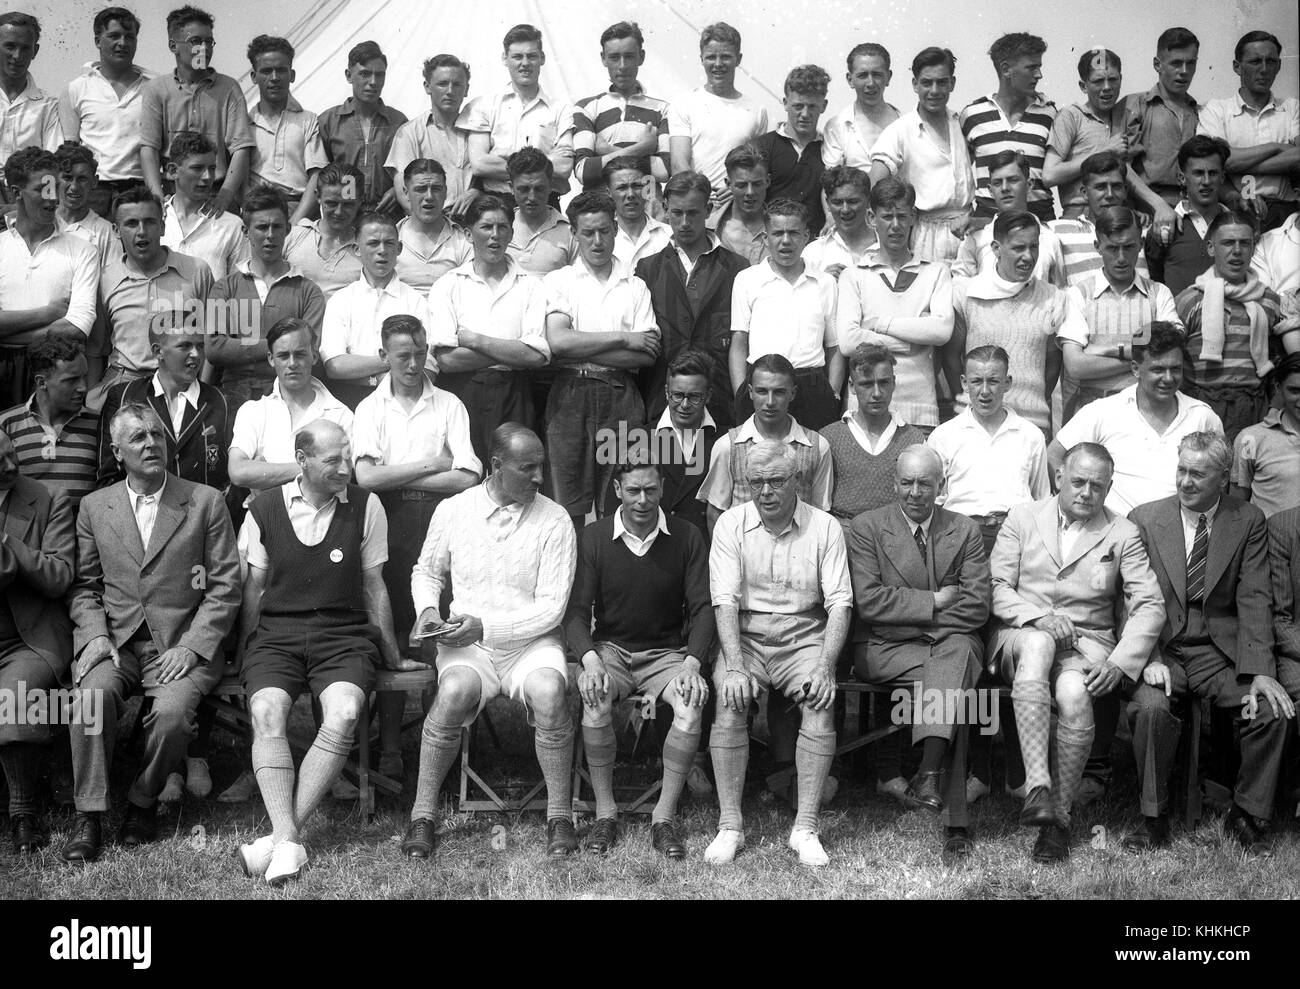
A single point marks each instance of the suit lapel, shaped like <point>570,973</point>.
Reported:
<point>943,542</point>
<point>1049,531</point>
<point>1094,532</point>
<point>1172,548</point>
<point>121,519</point>
<point>1223,539</point>
<point>171,513</point>
<point>192,419</point>
<point>903,555</point>
<point>19,512</point>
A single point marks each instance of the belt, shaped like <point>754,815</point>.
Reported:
<point>612,375</point>
<point>992,519</point>
<point>410,494</point>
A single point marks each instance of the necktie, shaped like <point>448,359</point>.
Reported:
<point>1196,562</point>
<point>919,536</point>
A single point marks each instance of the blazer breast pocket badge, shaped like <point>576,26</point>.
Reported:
<point>1103,574</point>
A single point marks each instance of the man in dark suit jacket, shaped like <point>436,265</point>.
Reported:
<point>1284,564</point>
<point>156,591</point>
<point>921,582</point>
<point>37,552</point>
<point>692,308</point>
<point>194,416</point>
<point>1210,554</point>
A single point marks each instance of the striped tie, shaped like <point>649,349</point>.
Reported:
<point>1196,562</point>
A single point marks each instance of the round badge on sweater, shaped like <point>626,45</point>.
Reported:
<point>336,555</point>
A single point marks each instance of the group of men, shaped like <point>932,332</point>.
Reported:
<point>304,393</point>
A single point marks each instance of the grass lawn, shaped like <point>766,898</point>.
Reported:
<point>876,849</point>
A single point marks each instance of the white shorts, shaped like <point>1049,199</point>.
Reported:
<point>504,671</point>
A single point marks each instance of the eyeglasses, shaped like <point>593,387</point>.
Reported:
<point>686,398</point>
<point>775,483</point>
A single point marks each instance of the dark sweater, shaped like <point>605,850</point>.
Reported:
<point>657,601</point>
<point>864,482</point>
<point>1179,264</point>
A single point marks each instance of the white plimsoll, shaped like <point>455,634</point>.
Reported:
<point>809,847</point>
<point>724,847</point>
<point>198,781</point>
<point>256,858</point>
<point>287,860</point>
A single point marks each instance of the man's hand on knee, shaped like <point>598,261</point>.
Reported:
<point>1156,674</point>
<point>175,663</point>
<point>1271,691</point>
<point>691,687</point>
<point>97,650</point>
<point>820,692</point>
<point>593,681</point>
<point>1059,628</point>
<point>738,690</point>
<point>1102,678</point>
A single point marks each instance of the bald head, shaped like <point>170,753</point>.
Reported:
<point>919,457</point>
<point>315,434</point>
<point>918,476</point>
<point>517,458</point>
<point>322,451</point>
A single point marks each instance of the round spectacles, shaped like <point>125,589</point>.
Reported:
<point>686,398</point>
<point>775,483</point>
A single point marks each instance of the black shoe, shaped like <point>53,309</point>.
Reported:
<point>27,835</point>
<point>1037,811</point>
<point>561,839</point>
<point>663,839</point>
<point>1247,831</point>
<point>1053,844</point>
<point>602,836</point>
<point>957,845</point>
<point>419,839</point>
<point>86,840</point>
<point>1154,834</point>
<point>139,826</point>
<point>923,793</point>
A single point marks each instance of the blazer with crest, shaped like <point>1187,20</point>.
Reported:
<point>197,453</point>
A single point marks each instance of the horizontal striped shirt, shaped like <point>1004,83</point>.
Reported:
<point>1079,254</point>
<point>988,132</point>
<point>616,119</point>
<point>1237,368</point>
<point>1115,318</point>
<point>63,458</point>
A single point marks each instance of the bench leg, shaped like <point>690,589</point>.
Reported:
<point>365,792</point>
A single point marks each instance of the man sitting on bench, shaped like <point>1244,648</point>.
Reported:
<point>921,579</point>
<point>316,616</point>
<point>648,580</point>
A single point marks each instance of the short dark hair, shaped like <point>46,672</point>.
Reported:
<point>625,163</point>
<point>1284,368</point>
<point>621,31</point>
<point>444,61</point>
<point>261,198</point>
<point>423,166</point>
<point>721,32</point>
<point>45,354</point>
<point>1094,450</point>
<point>684,183</point>
<point>1230,218</point>
<point>747,155</point>
<point>16,18</point>
<point>375,217</point>
<point>401,324</point>
<point>286,325</point>
<point>1009,221</point>
<point>928,57</point>
<point>366,51</point>
<point>1163,337</point>
<point>1101,163</point>
<point>1088,58</point>
<point>1176,37</point>
<point>70,155</point>
<point>867,48</point>
<point>772,364</point>
<point>786,207</point>
<point>1017,45</point>
<point>868,355</point>
<point>133,195</point>
<point>528,160</point>
<point>487,203</point>
<point>987,354</point>
<point>1007,157</point>
<point>265,44</point>
<point>518,33</point>
<point>692,362</point>
<point>187,144</point>
<point>188,15</point>
<point>842,175</point>
<point>592,201</point>
<point>106,17</point>
<point>807,79</point>
<point>339,173</point>
<point>1203,146</point>
<point>892,191</point>
<point>1115,220</point>
<point>22,165</point>
<point>1250,38</point>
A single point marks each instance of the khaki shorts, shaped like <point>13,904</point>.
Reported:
<point>782,651</point>
<point>648,672</point>
<point>504,671</point>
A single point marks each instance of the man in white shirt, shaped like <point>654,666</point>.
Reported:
<point>191,223</point>
<point>629,182</point>
<point>29,117</point>
<point>350,338</point>
<point>851,133</point>
<point>77,185</point>
<point>437,135</point>
<point>1276,261</point>
<point>288,151</point>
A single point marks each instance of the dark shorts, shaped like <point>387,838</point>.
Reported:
<point>310,653</point>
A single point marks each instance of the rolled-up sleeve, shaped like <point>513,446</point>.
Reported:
<point>837,590</point>
<point>725,561</point>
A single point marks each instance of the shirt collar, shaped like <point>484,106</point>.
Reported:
<point>875,257</point>
<point>349,107</point>
<point>255,108</point>
<point>1157,92</point>
<point>1193,519</point>
<point>783,128</point>
<point>384,390</point>
<point>666,420</point>
<point>620,529</point>
<point>709,235</point>
<point>1101,285</point>
<point>771,274</point>
<point>490,506</point>
<point>323,396</point>
<point>245,267</point>
<point>923,526</point>
<point>190,394</point>
<point>1242,106</point>
<point>390,289</point>
<point>293,491</point>
<point>134,494</point>
<point>748,432</point>
<point>751,519</point>
<point>639,91</point>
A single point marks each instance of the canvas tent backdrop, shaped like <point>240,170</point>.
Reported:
<point>776,36</point>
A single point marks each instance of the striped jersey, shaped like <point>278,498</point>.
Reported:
<point>1079,254</point>
<point>63,459</point>
<point>988,132</point>
<point>604,116</point>
<point>1238,366</point>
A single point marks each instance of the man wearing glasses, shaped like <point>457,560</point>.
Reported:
<point>779,578</point>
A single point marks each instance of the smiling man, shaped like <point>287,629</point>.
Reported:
<point>288,151</point>
<point>741,223</point>
<point>852,132</point>
<point>29,117</point>
<point>794,149</point>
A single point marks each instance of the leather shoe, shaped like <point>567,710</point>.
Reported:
<point>664,839</point>
<point>27,835</point>
<point>1154,834</point>
<point>419,839</point>
<point>561,838</point>
<point>1037,811</point>
<point>86,840</point>
<point>923,793</point>
<point>139,827</point>
<point>1242,826</point>
<point>602,836</point>
<point>1053,845</point>
<point>957,845</point>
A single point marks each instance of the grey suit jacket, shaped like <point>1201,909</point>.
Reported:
<point>37,556</point>
<point>185,583</point>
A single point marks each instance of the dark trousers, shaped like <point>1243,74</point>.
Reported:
<point>814,406</point>
<point>981,745</point>
<point>582,414</point>
<point>491,397</point>
<point>1238,406</point>
<point>409,514</point>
